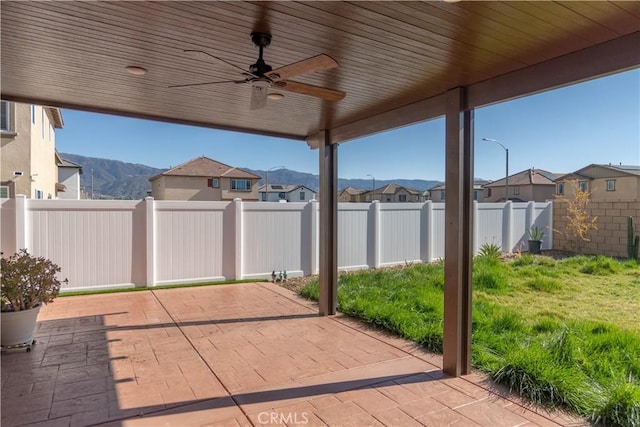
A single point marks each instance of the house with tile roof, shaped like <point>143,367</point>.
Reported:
<point>535,185</point>
<point>203,178</point>
<point>352,194</point>
<point>437,193</point>
<point>606,183</point>
<point>392,193</point>
<point>287,193</point>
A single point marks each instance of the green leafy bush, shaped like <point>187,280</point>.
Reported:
<point>490,250</point>
<point>27,281</point>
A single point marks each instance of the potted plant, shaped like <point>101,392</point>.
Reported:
<point>535,240</point>
<point>27,282</point>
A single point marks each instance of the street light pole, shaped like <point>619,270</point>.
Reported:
<point>373,187</point>
<point>506,150</point>
<point>266,186</point>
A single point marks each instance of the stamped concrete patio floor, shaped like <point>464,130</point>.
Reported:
<point>246,354</point>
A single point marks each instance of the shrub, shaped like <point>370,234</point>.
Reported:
<point>601,266</point>
<point>27,281</point>
<point>490,250</point>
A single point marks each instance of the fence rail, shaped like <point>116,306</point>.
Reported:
<point>110,244</point>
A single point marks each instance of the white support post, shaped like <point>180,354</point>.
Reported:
<point>150,220</point>
<point>507,227</point>
<point>549,230</point>
<point>426,232</point>
<point>237,204</point>
<point>375,233</point>
<point>21,223</point>
<point>313,221</point>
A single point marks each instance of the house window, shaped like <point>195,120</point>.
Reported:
<point>441,194</point>
<point>302,195</point>
<point>241,184</point>
<point>33,114</point>
<point>475,195</point>
<point>281,196</point>
<point>611,185</point>
<point>488,192</point>
<point>5,116</point>
<point>264,196</point>
<point>583,186</point>
<point>213,183</point>
<point>516,190</point>
<point>402,197</point>
<point>39,194</point>
<point>388,198</point>
<point>560,188</point>
<point>4,192</point>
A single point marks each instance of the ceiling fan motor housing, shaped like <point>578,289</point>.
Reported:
<point>261,40</point>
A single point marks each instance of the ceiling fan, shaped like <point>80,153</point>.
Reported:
<point>262,76</point>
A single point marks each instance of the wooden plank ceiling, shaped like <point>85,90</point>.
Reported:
<point>391,54</point>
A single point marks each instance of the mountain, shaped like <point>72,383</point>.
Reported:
<point>113,179</point>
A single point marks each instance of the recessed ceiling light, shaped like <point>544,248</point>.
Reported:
<point>136,71</point>
<point>275,96</point>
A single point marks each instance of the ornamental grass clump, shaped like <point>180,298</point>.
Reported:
<point>27,281</point>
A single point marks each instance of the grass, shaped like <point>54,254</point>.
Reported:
<point>561,333</point>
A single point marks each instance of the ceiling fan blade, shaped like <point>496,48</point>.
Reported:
<point>259,94</point>
<point>310,65</point>
<point>221,60</point>
<point>209,83</point>
<point>305,89</point>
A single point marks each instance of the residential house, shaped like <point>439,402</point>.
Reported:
<point>392,193</point>
<point>535,185</point>
<point>204,179</point>
<point>606,183</point>
<point>351,194</point>
<point>28,163</point>
<point>289,193</point>
<point>437,193</point>
<point>69,177</point>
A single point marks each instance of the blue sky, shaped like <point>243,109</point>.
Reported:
<point>561,131</point>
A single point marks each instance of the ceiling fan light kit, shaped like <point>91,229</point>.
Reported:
<point>262,76</point>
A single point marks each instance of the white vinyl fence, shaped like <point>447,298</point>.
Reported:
<point>110,244</point>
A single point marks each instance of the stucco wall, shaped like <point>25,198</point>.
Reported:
<point>16,151</point>
<point>195,188</point>
<point>70,178</point>
<point>611,236</point>
<point>44,170</point>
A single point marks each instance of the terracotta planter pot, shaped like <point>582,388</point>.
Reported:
<point>18,326</point>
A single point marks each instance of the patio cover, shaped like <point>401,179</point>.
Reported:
<point>400,63</point>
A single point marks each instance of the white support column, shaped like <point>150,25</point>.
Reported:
<point>548,242</point>
<point>150,211</point>
<point>507,227</point>
<point>375,233</point>
<point>237,209</point>
<point>458,234</point>
<point>313,221</point>
<point>22,223</point>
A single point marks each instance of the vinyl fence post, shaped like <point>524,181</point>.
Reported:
<point>237,203</point>
<point>313,223</point>
<point>529,221</point>
<point>426,232</point>
<point>150,221</point>
<point>476,231</point>
<point>507,227</point>
<point>22,226</point>
<point>375,237</point>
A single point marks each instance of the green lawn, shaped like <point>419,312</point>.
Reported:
<point>561,333</point>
